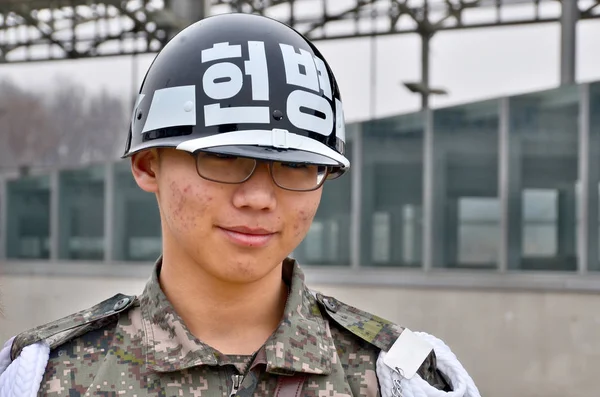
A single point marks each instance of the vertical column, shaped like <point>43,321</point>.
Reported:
<point>187,12</point>
<point>589,175</point>
<point>109,211</point>
<point>568,26</point>
<point>509,180</point>
<point>190,10</point>
<point>54,215</point>
<point>356,198</point>
<point>434,196</point>
<point>3,218</point>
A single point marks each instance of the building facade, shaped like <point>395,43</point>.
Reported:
<point>478,223</point>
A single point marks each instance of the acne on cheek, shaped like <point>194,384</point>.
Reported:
<point>179,201</point>
<point>303,221</point>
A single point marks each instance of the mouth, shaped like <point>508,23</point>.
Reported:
<point>248,237</point>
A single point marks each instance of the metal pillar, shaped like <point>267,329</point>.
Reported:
<point>190,10</point>
<point>568,25</point>
<point>356,198</point>
<point>425,41</point>
<point>589,174</point>
<point>434,197</point>
<point>509,188</point>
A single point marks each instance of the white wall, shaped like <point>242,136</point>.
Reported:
<point>522,344</point>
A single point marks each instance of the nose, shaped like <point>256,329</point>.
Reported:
<point>258,192</point>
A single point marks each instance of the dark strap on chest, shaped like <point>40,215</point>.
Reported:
<point>290,386</point>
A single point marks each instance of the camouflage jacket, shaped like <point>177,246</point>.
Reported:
<point>140,347</point>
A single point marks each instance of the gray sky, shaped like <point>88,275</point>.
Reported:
<point>471,64</point>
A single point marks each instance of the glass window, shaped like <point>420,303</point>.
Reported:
<point>391,191</point>
<point>595,139</point>
<point>328,240</point>
<point>466,203</point>
<point>28,218</point>
<point>544,138</point>
<point>81,213</point>
<point>540,215</point>
<point>137,231</point>
<point>479,230</point>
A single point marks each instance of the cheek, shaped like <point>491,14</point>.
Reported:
<point>186,205</point>
<point>304,217</point>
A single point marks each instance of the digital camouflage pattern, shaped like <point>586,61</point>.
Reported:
<point>141,347</point>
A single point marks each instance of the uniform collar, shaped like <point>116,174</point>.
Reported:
<point>301,343</point>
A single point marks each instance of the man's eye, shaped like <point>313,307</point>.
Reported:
<point>221,156</point>
<point>294,165</point>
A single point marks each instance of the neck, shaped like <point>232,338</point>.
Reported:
<point>232,318</point>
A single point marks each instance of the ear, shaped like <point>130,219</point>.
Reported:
<point>143,167</point>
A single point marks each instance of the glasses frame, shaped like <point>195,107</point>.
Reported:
<point>269,163</point>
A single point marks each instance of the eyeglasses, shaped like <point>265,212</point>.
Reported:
<point>229,169</point>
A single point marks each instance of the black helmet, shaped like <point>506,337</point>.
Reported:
<point>243,85</point>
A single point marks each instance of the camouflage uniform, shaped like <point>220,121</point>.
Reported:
<point>141,347</point>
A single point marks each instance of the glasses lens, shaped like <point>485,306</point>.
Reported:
<point>297,176</point>
<point>224,168</point>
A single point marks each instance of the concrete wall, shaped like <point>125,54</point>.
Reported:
<point>513,343</point>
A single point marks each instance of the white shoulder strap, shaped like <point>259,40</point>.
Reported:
<point>393,385</point>
<point>22,377</point>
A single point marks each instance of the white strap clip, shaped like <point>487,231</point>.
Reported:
<point>279,138</point>
<point>407,354</point>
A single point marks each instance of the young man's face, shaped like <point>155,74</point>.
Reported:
<point>235,232</point>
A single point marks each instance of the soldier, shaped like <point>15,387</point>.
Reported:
<point>237,126</point>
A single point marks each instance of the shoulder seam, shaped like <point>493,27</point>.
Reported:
<point>366,326</point>
<point>102,311</point>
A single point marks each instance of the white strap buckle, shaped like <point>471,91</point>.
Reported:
<point>279,138</point>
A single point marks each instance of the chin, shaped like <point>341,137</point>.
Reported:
<point>247,268</point>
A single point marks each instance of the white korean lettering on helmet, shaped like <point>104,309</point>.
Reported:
<point>224,80</point>
<point>302,107</point>
<point>324,81</point>
<point>307,110</point>
<point>300,68</point>
<point>256,67</point>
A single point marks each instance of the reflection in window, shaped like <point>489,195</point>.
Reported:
<point>539,222</point>
<point>328,240</point>
<point>545,170</point>
<point>381,237</point>
<point>314,243</point>
<point>479,231</point>
<point>137,233</point>
<point>81,218</point>
<point>466,204</point>
<point>28,218</point>
<point>595,140</point>
<point>412,234</point>
<point>392,189</point>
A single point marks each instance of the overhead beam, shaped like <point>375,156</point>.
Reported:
<point>144,26</point>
